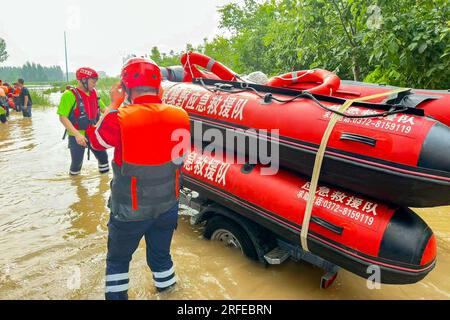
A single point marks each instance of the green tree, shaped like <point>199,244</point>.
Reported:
<point>222,50</point>
<point>402,42</point>
<point>320,33</point>
<point>249,24</point>
<point>3,52</point>
<point>412,47</point>
<point>155,55</point>
<point>163,59</point>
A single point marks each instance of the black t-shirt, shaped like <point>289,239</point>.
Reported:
<point>23,93</point>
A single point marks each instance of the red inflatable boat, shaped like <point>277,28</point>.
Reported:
<point>391,152</point>
<point>433,103</point>
<point>346,229</point>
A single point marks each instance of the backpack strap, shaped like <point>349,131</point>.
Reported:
<point>71,118</point>
<point>72,113</point>
<point>80,101</point>
<point>82,121</point>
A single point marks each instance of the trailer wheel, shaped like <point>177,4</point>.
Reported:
<point>231,235</point>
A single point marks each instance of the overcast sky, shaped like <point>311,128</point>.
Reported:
<point>101,32</point>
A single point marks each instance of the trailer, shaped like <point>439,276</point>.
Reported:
<point>253,240</point>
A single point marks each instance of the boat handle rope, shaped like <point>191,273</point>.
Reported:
<point>319,159</point>
<point>294,76</point>
<point>188,62</point>
<point>246,88</point>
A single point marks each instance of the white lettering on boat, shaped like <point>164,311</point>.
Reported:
<point>341,204</point>
<point>402,124</point>
<point>226,107</point>
<point>207,168</point>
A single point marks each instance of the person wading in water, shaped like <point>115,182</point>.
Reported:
<point>79,110</point>
<point>146,166</point>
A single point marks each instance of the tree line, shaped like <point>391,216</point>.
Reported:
<point>32,72</point>
<point>3,52</point>
<point>401,42</point>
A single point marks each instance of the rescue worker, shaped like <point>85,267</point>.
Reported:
<point>16,94</point>
<point>7,89</point>
<point>3,118</point>
<point>25,99</point>
<point>145,186</point>
<point>11,103</point>
<point>3,105</point>
<point>78,110</point>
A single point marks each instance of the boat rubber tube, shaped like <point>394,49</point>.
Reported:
<point>435,103</point>
<point>319,159</point>
<point>388,158</point>
<point>356,233</point>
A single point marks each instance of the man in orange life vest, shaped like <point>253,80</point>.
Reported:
<point>78,110</point>
<point>146,166</point>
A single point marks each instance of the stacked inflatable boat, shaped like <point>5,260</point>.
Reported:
<point>383,155</point>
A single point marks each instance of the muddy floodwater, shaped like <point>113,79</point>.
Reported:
<point>53,237</point>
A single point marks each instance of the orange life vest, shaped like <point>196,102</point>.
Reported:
<point>5,89</point>
<point>147,133</point>
<point>147,183</point>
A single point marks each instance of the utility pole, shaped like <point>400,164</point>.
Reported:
<point>65,48</point>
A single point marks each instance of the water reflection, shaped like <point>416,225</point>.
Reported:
<point>88,212</point>
<point>51,223</point>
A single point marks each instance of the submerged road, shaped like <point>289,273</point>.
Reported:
<point>53,237</point>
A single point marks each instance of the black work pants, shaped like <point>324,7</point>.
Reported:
<point>77,155</point>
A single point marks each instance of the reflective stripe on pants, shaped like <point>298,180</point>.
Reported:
<point>123,240</point>
<point>77,155</point>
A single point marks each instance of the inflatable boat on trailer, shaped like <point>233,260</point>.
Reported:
<point>390,152</point>
<point>346,229</point>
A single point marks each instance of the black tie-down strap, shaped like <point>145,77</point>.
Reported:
<point>409,99</point>
<point>237,87</point>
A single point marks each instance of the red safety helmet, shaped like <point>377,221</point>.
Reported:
<point>141,72</point>
<point>86,73</point>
